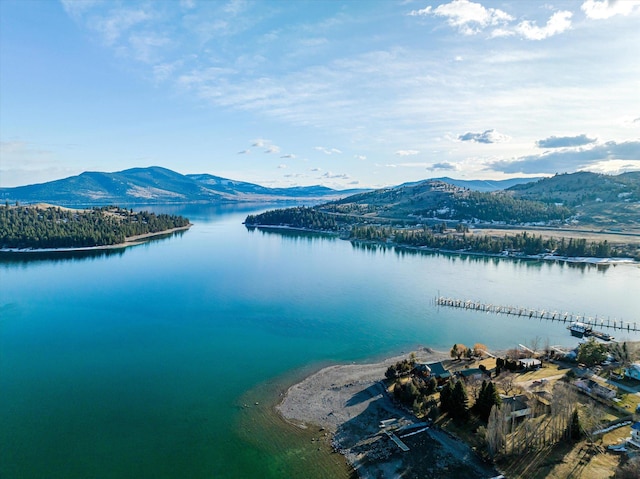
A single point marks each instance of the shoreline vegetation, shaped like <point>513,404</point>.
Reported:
<point>44,228</point>
<point>556,244</point>
<point>357,409</point>
<point>128,242</point>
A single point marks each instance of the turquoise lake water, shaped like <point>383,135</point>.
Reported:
<point>139,363</point>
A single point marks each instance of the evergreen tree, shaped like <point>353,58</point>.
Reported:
<point>459,407</point>
<point>487,399</point>
<point>446,395</point>
<point>575,431</point>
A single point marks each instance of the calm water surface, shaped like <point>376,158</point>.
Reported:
<point>140,363</point>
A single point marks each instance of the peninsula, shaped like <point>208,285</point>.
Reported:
<point>47,228</point>
<point>566,217</point>
<point>528,412</point>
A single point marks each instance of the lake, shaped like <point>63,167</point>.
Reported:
<point>149,362</point>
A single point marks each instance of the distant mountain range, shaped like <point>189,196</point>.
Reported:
<point>602,201</point>
<point>481,185</point>
<point>159,185</point>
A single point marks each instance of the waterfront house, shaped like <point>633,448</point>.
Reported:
<point>595,389</point>
<point>433,370</point>
<point>633,371</point>
<point>516,406</point>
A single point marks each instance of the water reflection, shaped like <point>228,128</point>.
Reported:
<point>24,258</point>
<point>293,235</point>
<point>529,263</point>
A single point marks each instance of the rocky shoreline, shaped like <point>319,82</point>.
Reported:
<point>350,401</point>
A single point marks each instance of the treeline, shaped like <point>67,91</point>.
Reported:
<point>298,217</point>
<point>53,227</point>
<point>523,243</point>
<point>497,207</point>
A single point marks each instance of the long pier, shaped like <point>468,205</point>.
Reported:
<point>592,322</point>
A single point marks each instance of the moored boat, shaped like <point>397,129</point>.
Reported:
<point>579,329</point>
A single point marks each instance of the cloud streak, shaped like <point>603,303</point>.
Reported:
<point>407,152</point>
<point>569,160</point>
<point>486,137</point>
<point>565,141</point>
<point>444,165</point>
<point>327,151</point>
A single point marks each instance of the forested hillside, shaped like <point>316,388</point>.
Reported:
<point>438,215</point>
<point>429,200</point>
<point>598,201</point>
<point>54,227</point>
<point>299,217</point>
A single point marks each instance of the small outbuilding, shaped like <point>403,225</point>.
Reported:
<point>530,363</point>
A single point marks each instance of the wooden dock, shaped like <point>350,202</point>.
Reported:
<point>403,447</point>
<point>593,322</point>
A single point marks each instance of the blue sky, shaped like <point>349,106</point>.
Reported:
<point>345,94</point>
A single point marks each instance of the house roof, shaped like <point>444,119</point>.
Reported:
<point>469,372</point>
<point>435,369</point>
<point>518,402</point>
<point>636,426</point>
<point>530,362</point>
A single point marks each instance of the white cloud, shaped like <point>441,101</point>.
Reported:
<point>487,136</point>
<point>327,151</point>
<point>469,17</point>
<point>289,156</point>
<point>272,149</point>
<point>444,165</point>
<point>390,165</point>
<point>603,9</point>
<point>407,152</point>
<point>315,169</point>
<point>330,175</point>
<point>282,166</point>
<point>360,157</point>
<point>244,152</point>
<point>558,23</point>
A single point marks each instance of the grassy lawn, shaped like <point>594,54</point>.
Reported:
<point>629,402</point>
<point>547,370</point>
<point>567,459</point>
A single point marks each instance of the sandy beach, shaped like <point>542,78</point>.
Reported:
<point>349,401</point>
